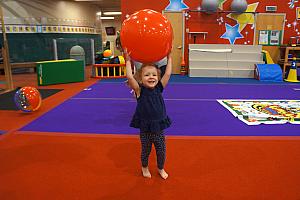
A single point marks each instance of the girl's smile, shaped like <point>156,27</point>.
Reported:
<point>150,76</point>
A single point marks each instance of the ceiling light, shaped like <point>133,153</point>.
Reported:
<point>99,13</point>
<point>112,13</point>
<point>107,17</point>
<point>87,0</point>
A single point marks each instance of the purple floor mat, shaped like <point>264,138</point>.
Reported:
<point>106,108</point>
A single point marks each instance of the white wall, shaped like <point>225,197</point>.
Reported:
<point>49,12</point>
<point>114,23</point>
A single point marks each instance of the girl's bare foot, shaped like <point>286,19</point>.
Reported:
<point>163,173</point>
<point>146,172</point>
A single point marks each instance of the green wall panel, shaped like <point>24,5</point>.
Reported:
<point>34,47</point>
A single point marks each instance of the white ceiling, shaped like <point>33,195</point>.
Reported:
<point>105,5</point>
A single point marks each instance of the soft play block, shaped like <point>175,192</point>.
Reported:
<point>60,71</point>
<point>268,72</point>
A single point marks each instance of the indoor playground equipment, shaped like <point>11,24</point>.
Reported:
<point>60,71</point>
<point>267,57</point>
<point>269,71</point>
<point>147,35</point>
<point>28,99</point>
<point>103,57</point>
<point>114,68</point>
<point>107,53</point>
<point>77,53</point>
<point>292,75</point>
<point>224,60</point>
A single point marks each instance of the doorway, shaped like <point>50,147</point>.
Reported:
<point>270,21</point>
<point>176,19</point>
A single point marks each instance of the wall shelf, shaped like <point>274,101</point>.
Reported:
<point>195,33</point>
<point>287,60</point>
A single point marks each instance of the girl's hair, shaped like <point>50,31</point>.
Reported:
<point>138,74</point>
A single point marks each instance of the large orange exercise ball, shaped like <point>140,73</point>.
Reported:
<point>147,35</point>
<point>28,99</point>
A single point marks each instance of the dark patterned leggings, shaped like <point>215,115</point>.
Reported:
<point>158,139</point>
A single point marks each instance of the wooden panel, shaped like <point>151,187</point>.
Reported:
<point>287,60</point>
<point>5,54</point>
<point>270,22</point>
<point>274,52</point>
<point>20,65</point>
<point>176,19</point>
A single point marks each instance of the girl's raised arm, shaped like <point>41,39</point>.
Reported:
<point>131,80</point>
<point>165,79</point>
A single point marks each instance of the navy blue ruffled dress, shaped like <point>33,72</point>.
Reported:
<point>150,115</point>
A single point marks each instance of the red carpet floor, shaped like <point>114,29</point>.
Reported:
<point>58,166</point>
<point>35,166</point>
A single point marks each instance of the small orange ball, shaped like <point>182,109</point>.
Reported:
<point>28,99</point>
<point>107,53</point>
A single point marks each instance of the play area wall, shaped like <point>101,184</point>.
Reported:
<point>48,19</point>
<point>33,47</point>
<point>203,22</point>
<point>212,26</point>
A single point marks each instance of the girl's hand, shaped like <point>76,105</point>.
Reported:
<point>126,55</point>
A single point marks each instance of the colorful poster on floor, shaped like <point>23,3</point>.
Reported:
<point>255,112</point>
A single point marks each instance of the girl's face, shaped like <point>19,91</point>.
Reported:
<point>149,76</point>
